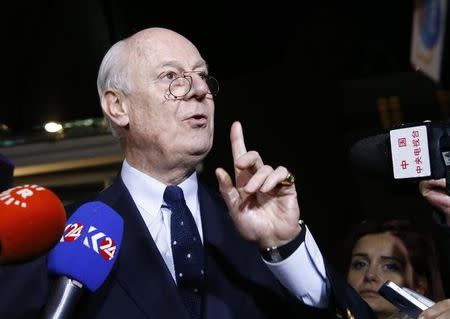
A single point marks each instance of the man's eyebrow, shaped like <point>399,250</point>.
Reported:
<point>202,64</point>
<point>176,64</point>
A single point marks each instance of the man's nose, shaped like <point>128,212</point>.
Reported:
<point>199,87</point>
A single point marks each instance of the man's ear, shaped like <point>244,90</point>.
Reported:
<point>115,107</point>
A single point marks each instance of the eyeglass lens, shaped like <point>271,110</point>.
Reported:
<point>181,86</point>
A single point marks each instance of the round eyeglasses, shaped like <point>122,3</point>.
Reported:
<point>181,85</point>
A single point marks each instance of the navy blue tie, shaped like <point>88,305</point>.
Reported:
<point>187,251</point>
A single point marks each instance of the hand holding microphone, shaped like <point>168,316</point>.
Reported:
<point>32,220</point>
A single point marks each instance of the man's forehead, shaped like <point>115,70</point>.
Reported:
<point>161,60</point>
<point>166,53</point>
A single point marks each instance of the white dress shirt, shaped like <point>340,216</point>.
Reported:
<point>303,273</point>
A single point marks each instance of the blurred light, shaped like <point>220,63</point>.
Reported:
<point>53,127</point>
<point>4,128</point>
<point>88,122</point>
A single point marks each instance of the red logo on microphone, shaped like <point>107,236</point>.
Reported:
<point>106,247</point>
<point>72,232</point>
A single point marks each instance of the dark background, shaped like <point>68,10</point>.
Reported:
<point>303,78</point>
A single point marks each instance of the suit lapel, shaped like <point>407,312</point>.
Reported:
<point>140,269</point>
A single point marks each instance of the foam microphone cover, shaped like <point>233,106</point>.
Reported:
<point>6,173</point>
<point>32,220</point>
<point>89,246</point>
<point>372,155</point>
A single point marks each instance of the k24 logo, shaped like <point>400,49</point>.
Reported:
<point>95,240</point>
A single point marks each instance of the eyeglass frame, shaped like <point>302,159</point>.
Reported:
<point>188,77</point>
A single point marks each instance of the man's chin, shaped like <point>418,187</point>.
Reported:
<point>200,154</point>
<point>200,149</point>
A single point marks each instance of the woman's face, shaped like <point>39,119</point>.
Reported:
<point>377,258</point>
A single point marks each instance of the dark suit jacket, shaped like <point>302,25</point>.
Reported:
<point>238,283</point>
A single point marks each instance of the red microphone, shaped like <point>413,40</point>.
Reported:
<point>32,221</point>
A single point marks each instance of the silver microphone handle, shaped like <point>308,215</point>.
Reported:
<point>65,296</point>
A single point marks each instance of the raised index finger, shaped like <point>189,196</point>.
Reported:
<point>237,140</point>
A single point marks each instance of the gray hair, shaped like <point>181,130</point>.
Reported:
<point>113,75</point>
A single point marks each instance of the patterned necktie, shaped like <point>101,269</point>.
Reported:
<point>187,251</point>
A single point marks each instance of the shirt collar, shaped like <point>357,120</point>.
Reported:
<point>147,191</point>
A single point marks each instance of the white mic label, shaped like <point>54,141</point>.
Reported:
<point>410,155</point>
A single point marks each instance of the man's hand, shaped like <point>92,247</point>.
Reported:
<point>263,210</point>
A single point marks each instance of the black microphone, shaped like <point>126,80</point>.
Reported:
<point>408,152</point>
<point>6,173</point>
<point>372,155</point>
<point>84,257</point>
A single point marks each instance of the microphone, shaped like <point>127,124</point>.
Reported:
<point>6,173</point>
<point>84,256</point>
<point>32,220</point>
<point>409,152</point>
<point>372,155</point>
